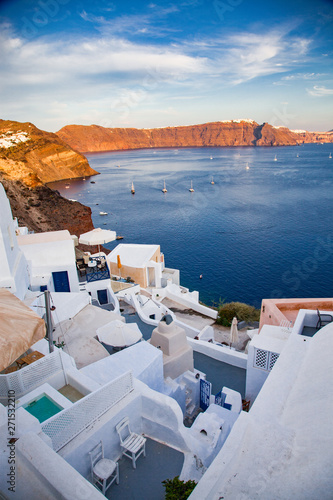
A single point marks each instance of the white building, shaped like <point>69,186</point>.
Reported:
<point>13,270</point>
<point>51,261</point>
<point>41,261</point>
<point>283,448</point>
<point>143,263</point>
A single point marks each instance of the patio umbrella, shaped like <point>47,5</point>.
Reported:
<point>234,332</point>
<point>119,334</point>
<point>98,237</point>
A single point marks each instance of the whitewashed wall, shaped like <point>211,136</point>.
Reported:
<point>13,269</point>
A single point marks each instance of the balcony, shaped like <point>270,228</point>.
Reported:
<point>95,269</point>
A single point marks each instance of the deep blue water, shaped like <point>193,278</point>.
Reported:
<point>258,232</point>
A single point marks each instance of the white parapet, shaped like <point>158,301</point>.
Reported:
<point>188,299</point>
<point>44,474</point>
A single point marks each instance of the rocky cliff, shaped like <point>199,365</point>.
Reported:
<point>229,133</point>
<point>43,209</point>
<point>36,157</point>
<point>29,158</point>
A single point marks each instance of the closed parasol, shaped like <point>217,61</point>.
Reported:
<point>234,332</point>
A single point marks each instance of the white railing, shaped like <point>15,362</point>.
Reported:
<point>286,325</point>
<point>67,424</point>
<point>30,377</point>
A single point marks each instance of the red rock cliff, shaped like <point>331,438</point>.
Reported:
<point>30,157</point>
<point>230,133</point>
<point>35,157</point>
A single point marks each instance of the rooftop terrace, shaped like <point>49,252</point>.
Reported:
<point>161,462</point>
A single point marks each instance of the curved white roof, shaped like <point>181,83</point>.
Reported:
<point>133,255</point>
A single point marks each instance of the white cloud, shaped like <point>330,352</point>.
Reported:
<point>134,24</point>
<point>99,60</point>
<point>317,91</point>
<point>93,76</point>
<point>303,76</point>
<point>285,80</point>
<point>250,55</point>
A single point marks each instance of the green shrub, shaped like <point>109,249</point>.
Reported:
<point>243,312</point>
<point>175,489</point>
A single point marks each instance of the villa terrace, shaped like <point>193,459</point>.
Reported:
<point>285,311</point>
<point>92,268</point>
<point>92,415</point>
<point>93,396</point>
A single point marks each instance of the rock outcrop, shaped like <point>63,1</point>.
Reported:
<point>43,209</point>
<point>36,157</point>
<point>95,138</point>
<point>29,158</point>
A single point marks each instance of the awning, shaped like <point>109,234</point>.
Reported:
<point>20,328</point>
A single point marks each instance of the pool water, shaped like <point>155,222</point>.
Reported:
<point>43,408</point>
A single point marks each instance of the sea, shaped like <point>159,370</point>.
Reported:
<point>263,229</point>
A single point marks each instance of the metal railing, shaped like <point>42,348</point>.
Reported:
<point>100,274</point>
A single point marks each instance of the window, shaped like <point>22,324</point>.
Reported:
<point>265,359</point>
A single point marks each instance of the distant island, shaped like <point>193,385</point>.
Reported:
<point>94,138</point>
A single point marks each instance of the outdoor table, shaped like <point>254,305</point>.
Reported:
<point>30,358</point>
<point>92,263</point>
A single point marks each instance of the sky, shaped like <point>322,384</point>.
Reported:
<point>156,64</point>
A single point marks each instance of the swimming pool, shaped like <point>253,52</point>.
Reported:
<point>43,402</point>
<point>43,407</point>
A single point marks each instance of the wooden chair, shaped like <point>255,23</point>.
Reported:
<point>82,269</point>
<point>104,471</point>
<point>10,369</point>
<point>133,444</point>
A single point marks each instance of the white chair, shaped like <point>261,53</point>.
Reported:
<point>131,442</point>
<point>103,469</point>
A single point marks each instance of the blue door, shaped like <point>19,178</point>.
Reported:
<point>102,296</point>
<point>60,281</point>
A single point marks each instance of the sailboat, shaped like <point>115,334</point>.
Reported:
<point>297,156</point>
<point>212,181</point>
<point>164,190</point>
<point>275,159</point>
<point>191,190</point>
<point>247,167</point>
<point>330,155</point>
<point>132,189</point>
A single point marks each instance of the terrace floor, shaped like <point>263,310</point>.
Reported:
<point>309,331</point>
<point>221,374</point>
<point>145,482</point>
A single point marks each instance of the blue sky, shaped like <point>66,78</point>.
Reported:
<point>154,64</point>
